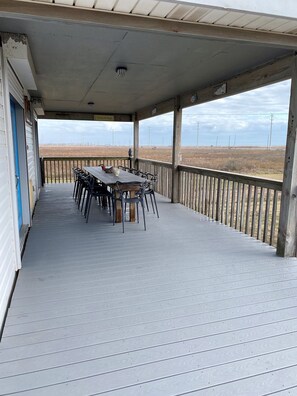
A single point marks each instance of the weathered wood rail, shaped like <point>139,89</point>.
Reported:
<point>247,203</point>
<point>60,169</point>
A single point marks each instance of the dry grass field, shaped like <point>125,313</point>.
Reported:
<point>246,160</point>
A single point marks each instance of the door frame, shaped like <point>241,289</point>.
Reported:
<point>13,113</point>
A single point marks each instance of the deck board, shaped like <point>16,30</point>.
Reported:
<point>187,307</point>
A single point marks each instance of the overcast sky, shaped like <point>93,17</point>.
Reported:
<point>245,119</point>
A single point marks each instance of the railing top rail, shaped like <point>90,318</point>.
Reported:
<point>245,179</point>
<point>154,162</point>
<point>84,158</point>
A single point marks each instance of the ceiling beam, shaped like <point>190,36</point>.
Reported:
<point>21,9</point>
<point>272,72</point>
<point>76,116</point>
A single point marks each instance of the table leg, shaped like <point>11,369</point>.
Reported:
<point>132,207</point>
<point>118,209</point>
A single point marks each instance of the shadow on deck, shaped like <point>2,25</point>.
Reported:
<point>187,307</point>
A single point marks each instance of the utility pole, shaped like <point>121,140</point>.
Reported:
<point>234,143</point>
<point>217,141</point>
<point>197,135</point>
<point>229,141</point>
<point>270,132</point>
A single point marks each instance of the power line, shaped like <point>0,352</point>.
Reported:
<point>233,114</point>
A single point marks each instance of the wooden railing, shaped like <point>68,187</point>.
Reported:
<point>163,170</point>
<point>248,204</point>
<point>60,169</point>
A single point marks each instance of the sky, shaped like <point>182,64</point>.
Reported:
<point>254,118</point>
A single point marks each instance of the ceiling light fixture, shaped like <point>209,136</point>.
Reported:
<point>121,71</point>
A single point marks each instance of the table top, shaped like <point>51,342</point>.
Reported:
<point>110,179</point>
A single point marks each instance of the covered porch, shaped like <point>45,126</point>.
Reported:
<point>206,310</point>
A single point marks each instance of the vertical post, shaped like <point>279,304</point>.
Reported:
<point>286,242</point>
<point>135,140</point>
<point>177,125</point>
<point>42,172</point>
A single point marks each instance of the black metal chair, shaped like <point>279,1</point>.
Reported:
<point>150,190</point>
<point>121,194</point>
<point>95,190</point>
<point>76,173</point>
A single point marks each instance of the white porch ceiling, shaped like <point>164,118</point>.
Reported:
<point>75,60</point>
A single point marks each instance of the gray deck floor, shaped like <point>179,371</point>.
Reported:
<point>188,307</point>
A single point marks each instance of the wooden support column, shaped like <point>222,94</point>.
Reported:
<point>135,140</point>
<point>177,125</point>
<point>286,243</point>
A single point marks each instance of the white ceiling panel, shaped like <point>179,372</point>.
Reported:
<point>258,22</point>
<point>212,16</point>
<point>243,20</point>
<point>85,3</point>
<point>144,7</point>
<point>64,2</point>
<point>125,5</point>
<point>196,14</point>
<point>105,4</point>
<point>286,27</point>
<point>180,12</point>
<point>274,24</point>
<point>228,18</point>
<point>162,9</point>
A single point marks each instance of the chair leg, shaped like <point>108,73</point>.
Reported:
<point>74,188</point>
<point>123,214</point>
<point>155,204</point>
<point>137,211</point>
<point>147,207</point>
<point>89,208</point>
<point>83,200</point>
<point>80,195</point>
<point>152,203</point>
<point>113,210</point>
<point>89,195</point>
<point>143,213</point>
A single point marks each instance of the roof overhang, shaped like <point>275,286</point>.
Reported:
<point>170,48</point>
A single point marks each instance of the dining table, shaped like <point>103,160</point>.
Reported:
<point>110,180</point>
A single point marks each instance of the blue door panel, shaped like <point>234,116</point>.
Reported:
<point>16,162</point>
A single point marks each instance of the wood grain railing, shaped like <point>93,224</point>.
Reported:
<point>60,169</point>
<point>249,204</point>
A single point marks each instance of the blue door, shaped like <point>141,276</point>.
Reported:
<point>16,161</point>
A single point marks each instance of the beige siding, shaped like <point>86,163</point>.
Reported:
<point>7,242</point>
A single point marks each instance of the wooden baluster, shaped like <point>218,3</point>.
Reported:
<point>243,209</point>
<point>232,204</point>
<point>260,214</point>
<point>237,205</point>
<point>267,213</point>
<point>254,213</point>
<point>227,203</point>
<point>273,218</point>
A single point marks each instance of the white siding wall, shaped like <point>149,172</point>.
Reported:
<point>8,263</point>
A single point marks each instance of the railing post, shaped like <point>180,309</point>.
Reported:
<point>42,171</point>
<point>218,208</point>
<point>130,156</point>
<point>287,234</point>
<point>177,126</point>
<point>134,163</point>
